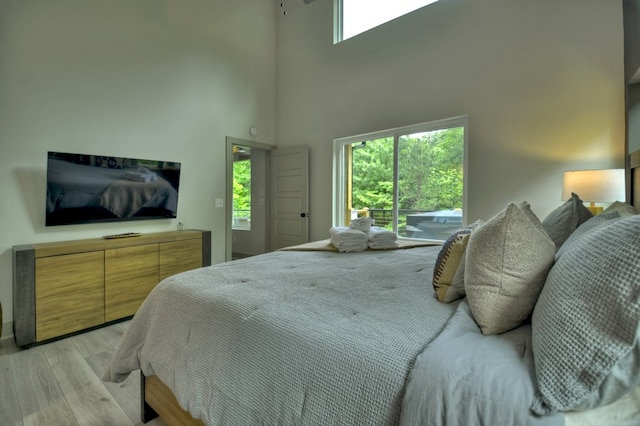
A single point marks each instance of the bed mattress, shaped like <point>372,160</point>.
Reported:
<point>320,337</point>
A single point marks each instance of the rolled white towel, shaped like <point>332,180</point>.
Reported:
<point>381,234</point>
<point>382,245</point>
<point>349,246</point>
<point>361,223</point>
<point>344,233</point>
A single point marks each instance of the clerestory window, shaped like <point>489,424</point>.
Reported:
<point>409,180</point>
<point>353,17</point>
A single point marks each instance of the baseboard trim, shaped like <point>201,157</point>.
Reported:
<point>7,330</point>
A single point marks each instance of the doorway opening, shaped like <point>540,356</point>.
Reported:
<point>247,198</point>
<point>241,206</point>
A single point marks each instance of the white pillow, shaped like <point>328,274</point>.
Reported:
<point>506,264</point>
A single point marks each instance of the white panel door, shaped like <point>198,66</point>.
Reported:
<point>290,199</point>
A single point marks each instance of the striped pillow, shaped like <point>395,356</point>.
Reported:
<point>447,263</point>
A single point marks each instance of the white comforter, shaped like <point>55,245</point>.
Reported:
<point>289,337</point>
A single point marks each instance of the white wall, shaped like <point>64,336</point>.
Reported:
<point>164,80</point>
<point>541,81</point>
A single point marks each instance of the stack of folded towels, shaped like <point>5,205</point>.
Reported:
<point>380,238</point>
<point>348,240</point>
<point>361,235</point>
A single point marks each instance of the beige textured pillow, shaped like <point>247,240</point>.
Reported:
<point>449,258</point>
<point>507,261</point>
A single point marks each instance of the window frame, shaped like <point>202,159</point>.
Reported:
<point>340,172</point>
<point>337,21</point>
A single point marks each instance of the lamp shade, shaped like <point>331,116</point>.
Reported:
<point>603,186</point>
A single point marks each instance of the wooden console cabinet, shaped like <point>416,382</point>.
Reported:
<point>68,286</point>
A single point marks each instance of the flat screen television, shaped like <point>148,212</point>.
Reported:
<point>85,188</point>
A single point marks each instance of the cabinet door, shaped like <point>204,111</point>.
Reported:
<point>130,274</point>
<point>69,293</point>
<point>179,256</point>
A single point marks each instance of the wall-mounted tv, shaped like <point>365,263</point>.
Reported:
<point>92,188</point>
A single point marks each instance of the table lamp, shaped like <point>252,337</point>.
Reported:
<point>595,186</point>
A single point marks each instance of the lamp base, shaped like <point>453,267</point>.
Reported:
<point>595,210</point>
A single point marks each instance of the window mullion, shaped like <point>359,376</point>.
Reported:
<point>348,150</point>
<point>396,179</point>
<point>338,16</point>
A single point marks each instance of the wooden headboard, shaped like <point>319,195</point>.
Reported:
<point>634,179</point>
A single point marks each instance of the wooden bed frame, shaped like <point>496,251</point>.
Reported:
<point>158,400</point>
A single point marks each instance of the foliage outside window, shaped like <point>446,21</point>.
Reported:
<point>409,180</point>
<point>242,194</point>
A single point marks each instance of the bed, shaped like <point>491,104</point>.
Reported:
<point>308,335</point>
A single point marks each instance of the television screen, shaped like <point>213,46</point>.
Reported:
<point>91,188</point>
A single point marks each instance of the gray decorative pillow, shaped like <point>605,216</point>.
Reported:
<point>506,264</point>
<point>575,238</point>
<point>587,320</point>
<point>561,222</point>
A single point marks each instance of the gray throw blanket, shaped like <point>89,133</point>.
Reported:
<point>309,337</point>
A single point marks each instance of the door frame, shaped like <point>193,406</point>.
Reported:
<point>230,142</point>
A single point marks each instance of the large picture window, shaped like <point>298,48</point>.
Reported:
<point>409,180</point>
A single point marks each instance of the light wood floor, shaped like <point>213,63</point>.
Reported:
<point>59,383</point>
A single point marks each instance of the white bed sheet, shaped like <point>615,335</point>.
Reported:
<point>623,412</point>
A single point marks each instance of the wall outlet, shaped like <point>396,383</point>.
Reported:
<point>219,203</point>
